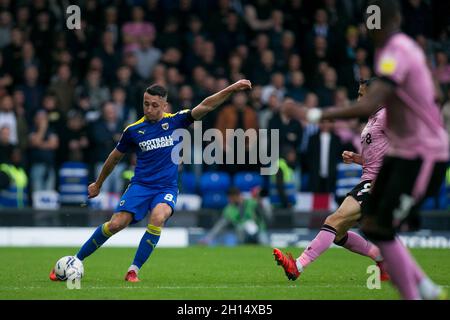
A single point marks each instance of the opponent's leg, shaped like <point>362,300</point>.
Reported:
<point>391,197</point>
<point>149,240</point>
<point>118,222</point>
<point>346,215</point>
<point>335,225</point>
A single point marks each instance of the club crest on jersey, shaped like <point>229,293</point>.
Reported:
<point>165,126</point>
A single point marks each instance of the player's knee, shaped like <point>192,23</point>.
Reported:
<point>160,214</point>
<point>333,220</point>
<point>115,226</point>
<point>117,223</point>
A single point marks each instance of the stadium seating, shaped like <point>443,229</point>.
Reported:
<point>188,183</point>
<point>73,181</point>
<point>214,182</point>
<point>245,181</point>
<point>348,176</point>
<point>213,189</point>
<point>214,200</point>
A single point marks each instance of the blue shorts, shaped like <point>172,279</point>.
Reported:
<point>139,200</point>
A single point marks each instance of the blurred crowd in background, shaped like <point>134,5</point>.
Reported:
<point>66,95</point>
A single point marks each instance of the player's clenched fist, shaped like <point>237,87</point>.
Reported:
<point>351,157</point>
<point>347,156</point>
<point>242,85</point>
<point>93,190</point>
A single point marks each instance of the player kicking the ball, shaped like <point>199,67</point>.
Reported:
<point>154,186</point>
<point>415,163</point>
<point>336,228</point>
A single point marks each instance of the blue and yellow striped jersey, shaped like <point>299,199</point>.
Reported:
<point>153,144</point>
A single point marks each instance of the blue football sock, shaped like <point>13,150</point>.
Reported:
<point>99,237</point>
<point>148,243</point>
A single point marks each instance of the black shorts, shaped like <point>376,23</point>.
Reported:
<point>397,194</point>
<point>361,192</point>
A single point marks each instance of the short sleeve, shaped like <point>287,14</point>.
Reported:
<point>183,118</point>
<point>125,143</point>
<point>392,65</point>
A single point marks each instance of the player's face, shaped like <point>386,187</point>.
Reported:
<point>361,91</point>
<point>154,107</point>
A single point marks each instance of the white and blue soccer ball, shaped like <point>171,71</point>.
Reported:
<point>69,267</point>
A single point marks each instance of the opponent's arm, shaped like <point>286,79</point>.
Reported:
<point>213,101</point>
<point>351,157</point>
<point>113,159</point>
<point>376,95</point>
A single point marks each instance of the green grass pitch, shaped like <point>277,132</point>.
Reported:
<point>202,273</point>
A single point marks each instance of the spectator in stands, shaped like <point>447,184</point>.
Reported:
<point>32,89</point>
<point>109,56</point>
<point>63,87</point>
<point>309,129</point>
<point>257,20</point>
<point>13,52</point>
<point>417,18</point>
<point>185,98</point>
<point>126,81</point>
<point>286,50</point>
<point>21,118</point>
<point>442,69</point>
<point>446,112</point>
<point>277,30</point>
<point>74,140</point>
<point>171,34</point>
<point>147,57</point>
<point>103,136</point>
<point>42,36</point>
<point>98,93</point>
<point>124,112</point>
<point>272,107</point>
<point>6,24</point>
<point>314,57</point>
<point>23,19</point>
<point>111,24</point>
<point>135,29</point>
<point>320,28</point>
<point>56,118</point>
<point>172,58</point>
<point>248,217</point>
<point>43,145</point>
<point>282,185</point>
<point>231,37</point>
<point>348,131</point>
<point>8,118</point>
<point>290,130</point>
<point>324,152</point>
<point>208,60</point>
<point>237,115</point>
<point>13,182</point>
<point>264,68</point>
<point>276,87</point>
<point>6,147</point>
<point>174,81</point>
<point>6,80</point>
<point>327,90</point>
<point>296,89</point>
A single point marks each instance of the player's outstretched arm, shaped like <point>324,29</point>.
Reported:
<point>376,96</point>
<point>113,159</point>
<point>215,100</point>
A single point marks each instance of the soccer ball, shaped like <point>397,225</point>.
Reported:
<point>69,267</point>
